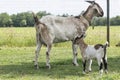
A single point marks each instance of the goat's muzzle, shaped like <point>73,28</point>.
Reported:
<point>101,14</point>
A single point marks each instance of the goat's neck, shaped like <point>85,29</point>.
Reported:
<point>82,45</point>
<point>89,15</point>
<point>85,21</point>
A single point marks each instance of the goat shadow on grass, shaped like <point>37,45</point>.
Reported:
<point>60,69</point>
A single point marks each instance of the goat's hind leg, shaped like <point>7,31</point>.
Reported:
<point>39,45</point>
<point>100,63</point>
<point>74,48</point>
<point>48,56</point>
<point>105,64</point>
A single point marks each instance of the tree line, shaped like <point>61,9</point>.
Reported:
<point>25,19</point>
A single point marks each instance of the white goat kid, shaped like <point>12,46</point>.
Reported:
<point>53,29</point>
<point>97,51</point>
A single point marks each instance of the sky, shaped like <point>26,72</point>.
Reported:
<point>72,7</point>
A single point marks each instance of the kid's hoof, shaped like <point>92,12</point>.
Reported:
<point>83,72</point>
<point>75,64</point>
<point>48,66</point>
<point>36,66</point>
<point>90,71</point>
<point>101,72</point>
<point>106,71</point>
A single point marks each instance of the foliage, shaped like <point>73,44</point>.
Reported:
<point>23,23</point>
<point>115,20</point>
<point>19,20</point>
<point>42,13</point>
<point>26,19</point>
<point>5,20</point>
<point>99,21</point>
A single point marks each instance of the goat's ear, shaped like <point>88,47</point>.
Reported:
<point>91,2</point>
<point>82,36</point>
<point>35,18</point>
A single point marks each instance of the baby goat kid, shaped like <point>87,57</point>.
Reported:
<point>88,52</point>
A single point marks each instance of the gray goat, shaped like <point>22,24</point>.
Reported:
<point>54,29</point>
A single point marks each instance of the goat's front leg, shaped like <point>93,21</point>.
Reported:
<point>74,48</point>
<point>48,56</point>
<point>37,55</point>
<point>100,63</point>
<point>84,66</point>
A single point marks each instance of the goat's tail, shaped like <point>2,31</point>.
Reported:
<point>105,57</point>
<point>35,18</point>
<point>105,46</point>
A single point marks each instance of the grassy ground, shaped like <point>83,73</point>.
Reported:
<point>16,57</point>
<point>25,37</point>
<point>19,37</point>
<point>16,64</point>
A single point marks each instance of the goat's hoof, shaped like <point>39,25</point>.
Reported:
<point>75,64</point>
<point>101,72</point>
<point>106,71</point>
<point>48,66</point>
<point>83,72</point>
<point>90,71</point>
<point>36,66</point>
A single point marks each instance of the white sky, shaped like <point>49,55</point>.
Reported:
<point>72,7</point>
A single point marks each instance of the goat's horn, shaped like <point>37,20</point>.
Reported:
<point>92,2</point>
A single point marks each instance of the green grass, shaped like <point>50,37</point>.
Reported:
<point>17,37</point>
<point>25,37</point>
<point>17,64</point>
<point>17,46</point>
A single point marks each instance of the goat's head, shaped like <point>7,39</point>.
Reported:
<point>95,7</point>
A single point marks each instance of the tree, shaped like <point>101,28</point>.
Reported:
<point>65,15</point>
<point>4,19</point>
<point>13,18</point>
<point>29,19</point>
<point>10,23</point>
<point>98,21</point>
<point>26,19</point>
<point>42,13</point>
<point>115,20</point>
<point>23,23</point>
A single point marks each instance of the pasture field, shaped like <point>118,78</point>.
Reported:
<point>25,37</point>
<point>17,64</point>
<point>17,47</point>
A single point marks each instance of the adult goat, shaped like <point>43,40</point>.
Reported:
<point>53,29</point>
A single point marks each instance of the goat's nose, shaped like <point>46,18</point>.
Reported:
<point>102,13</point>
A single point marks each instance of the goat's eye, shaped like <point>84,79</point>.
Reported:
<point>96,11</point>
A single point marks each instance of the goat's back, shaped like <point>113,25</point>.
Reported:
<point>91,52</point>
<point>63,28</point>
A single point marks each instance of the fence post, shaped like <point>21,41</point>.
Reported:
<point>108,23</point>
